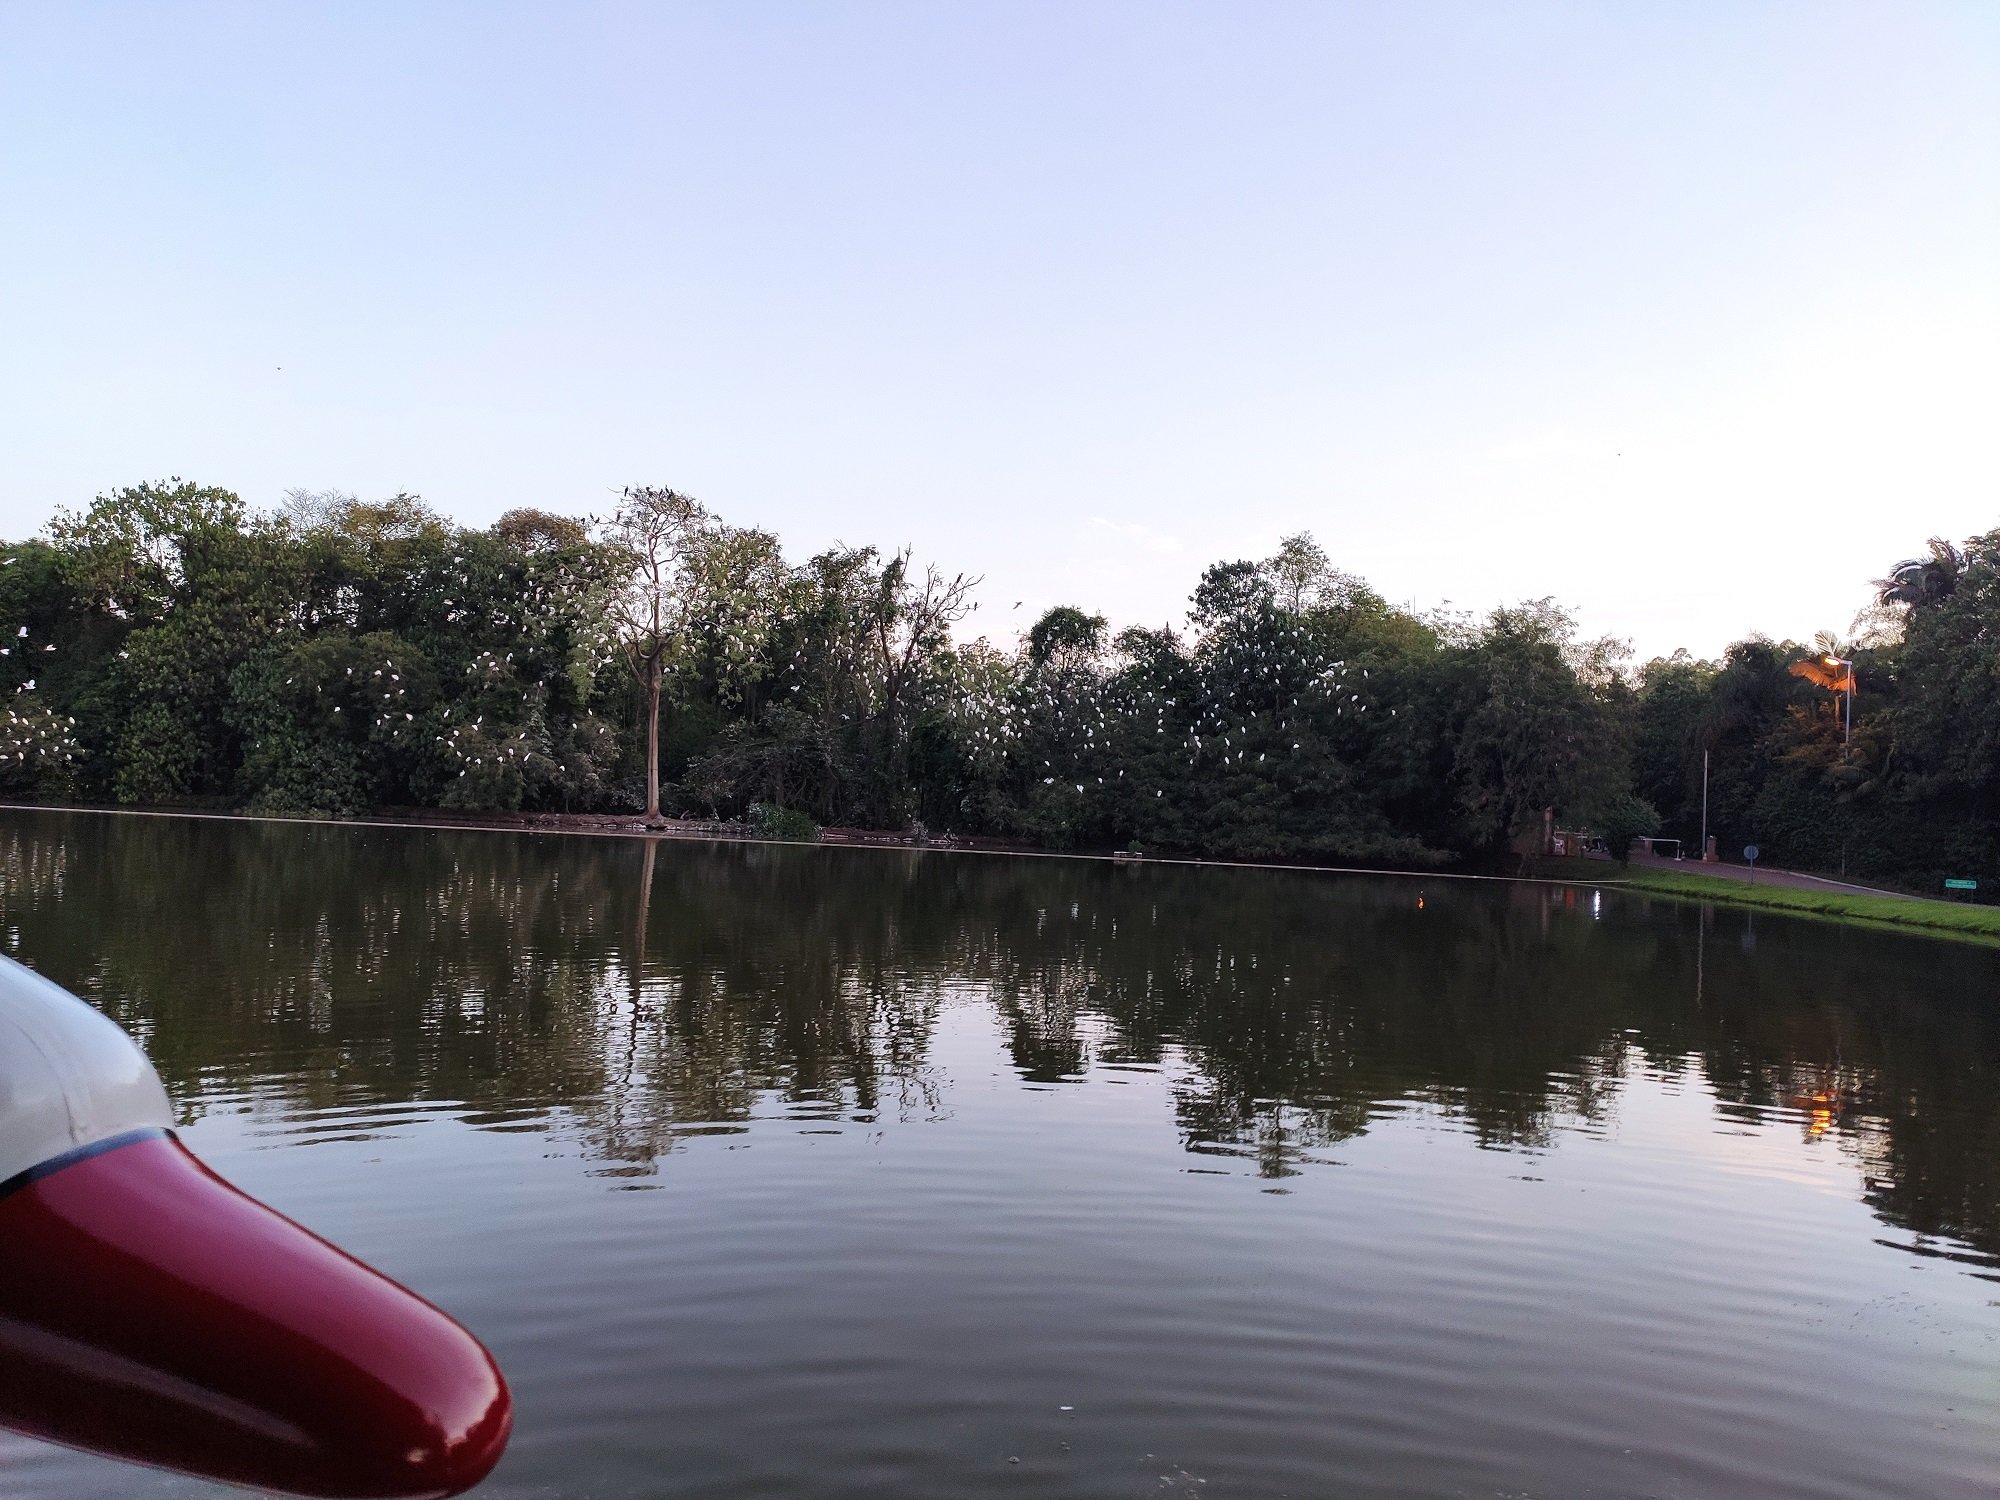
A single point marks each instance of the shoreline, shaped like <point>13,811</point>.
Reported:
<point>1821,900</point>
<point>1879,911</point>
<point>628,826</point>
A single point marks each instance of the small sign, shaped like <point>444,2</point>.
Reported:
<point>1961,885</point>
<point>1750,853</point>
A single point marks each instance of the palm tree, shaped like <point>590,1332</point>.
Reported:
<point>1922,581</point>
<point>1832,669</point>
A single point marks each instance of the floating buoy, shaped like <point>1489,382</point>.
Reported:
<point>151,1312</point>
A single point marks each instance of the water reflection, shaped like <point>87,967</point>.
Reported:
<point>624,996</point>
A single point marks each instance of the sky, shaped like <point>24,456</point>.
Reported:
<point>1687,315</point>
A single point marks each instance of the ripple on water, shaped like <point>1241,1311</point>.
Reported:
<point>822,1175</point>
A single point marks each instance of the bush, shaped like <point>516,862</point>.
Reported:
<point>157,757</point>
<point>769,821</point>
<point>1626,818</point>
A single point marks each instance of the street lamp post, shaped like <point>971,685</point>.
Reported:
<point>1847,681</point>
<point>1704,804</point>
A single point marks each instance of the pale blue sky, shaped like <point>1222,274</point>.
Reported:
<point>1686,314</point>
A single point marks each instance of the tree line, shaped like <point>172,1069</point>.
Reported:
<point>170,645</point>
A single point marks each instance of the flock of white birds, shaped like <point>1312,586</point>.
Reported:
<point>31,734</point>
<point>1251,700</point>
<point>1249,704</point>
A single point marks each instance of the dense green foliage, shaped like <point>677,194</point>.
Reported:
<point>170,646</point>
<point>1911,795</point>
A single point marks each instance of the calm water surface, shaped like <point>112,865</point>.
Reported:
<point>785,1172</point>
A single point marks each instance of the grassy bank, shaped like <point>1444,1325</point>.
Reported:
<point>1909,913</point>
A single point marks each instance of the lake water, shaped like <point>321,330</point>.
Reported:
<point>787,1172</point>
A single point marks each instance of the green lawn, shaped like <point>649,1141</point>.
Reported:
<point>1943,918</point>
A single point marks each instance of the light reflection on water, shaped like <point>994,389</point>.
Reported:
<point>774,1171</point>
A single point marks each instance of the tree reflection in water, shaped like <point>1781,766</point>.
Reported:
<point>625,995</point>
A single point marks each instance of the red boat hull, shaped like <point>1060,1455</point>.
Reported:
<point>151,1312</point>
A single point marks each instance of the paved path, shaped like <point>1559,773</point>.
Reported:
<point>1764,875</point>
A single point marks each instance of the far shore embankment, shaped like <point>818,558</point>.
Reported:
<point>1797,893</point>
<point>1791,892</point>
